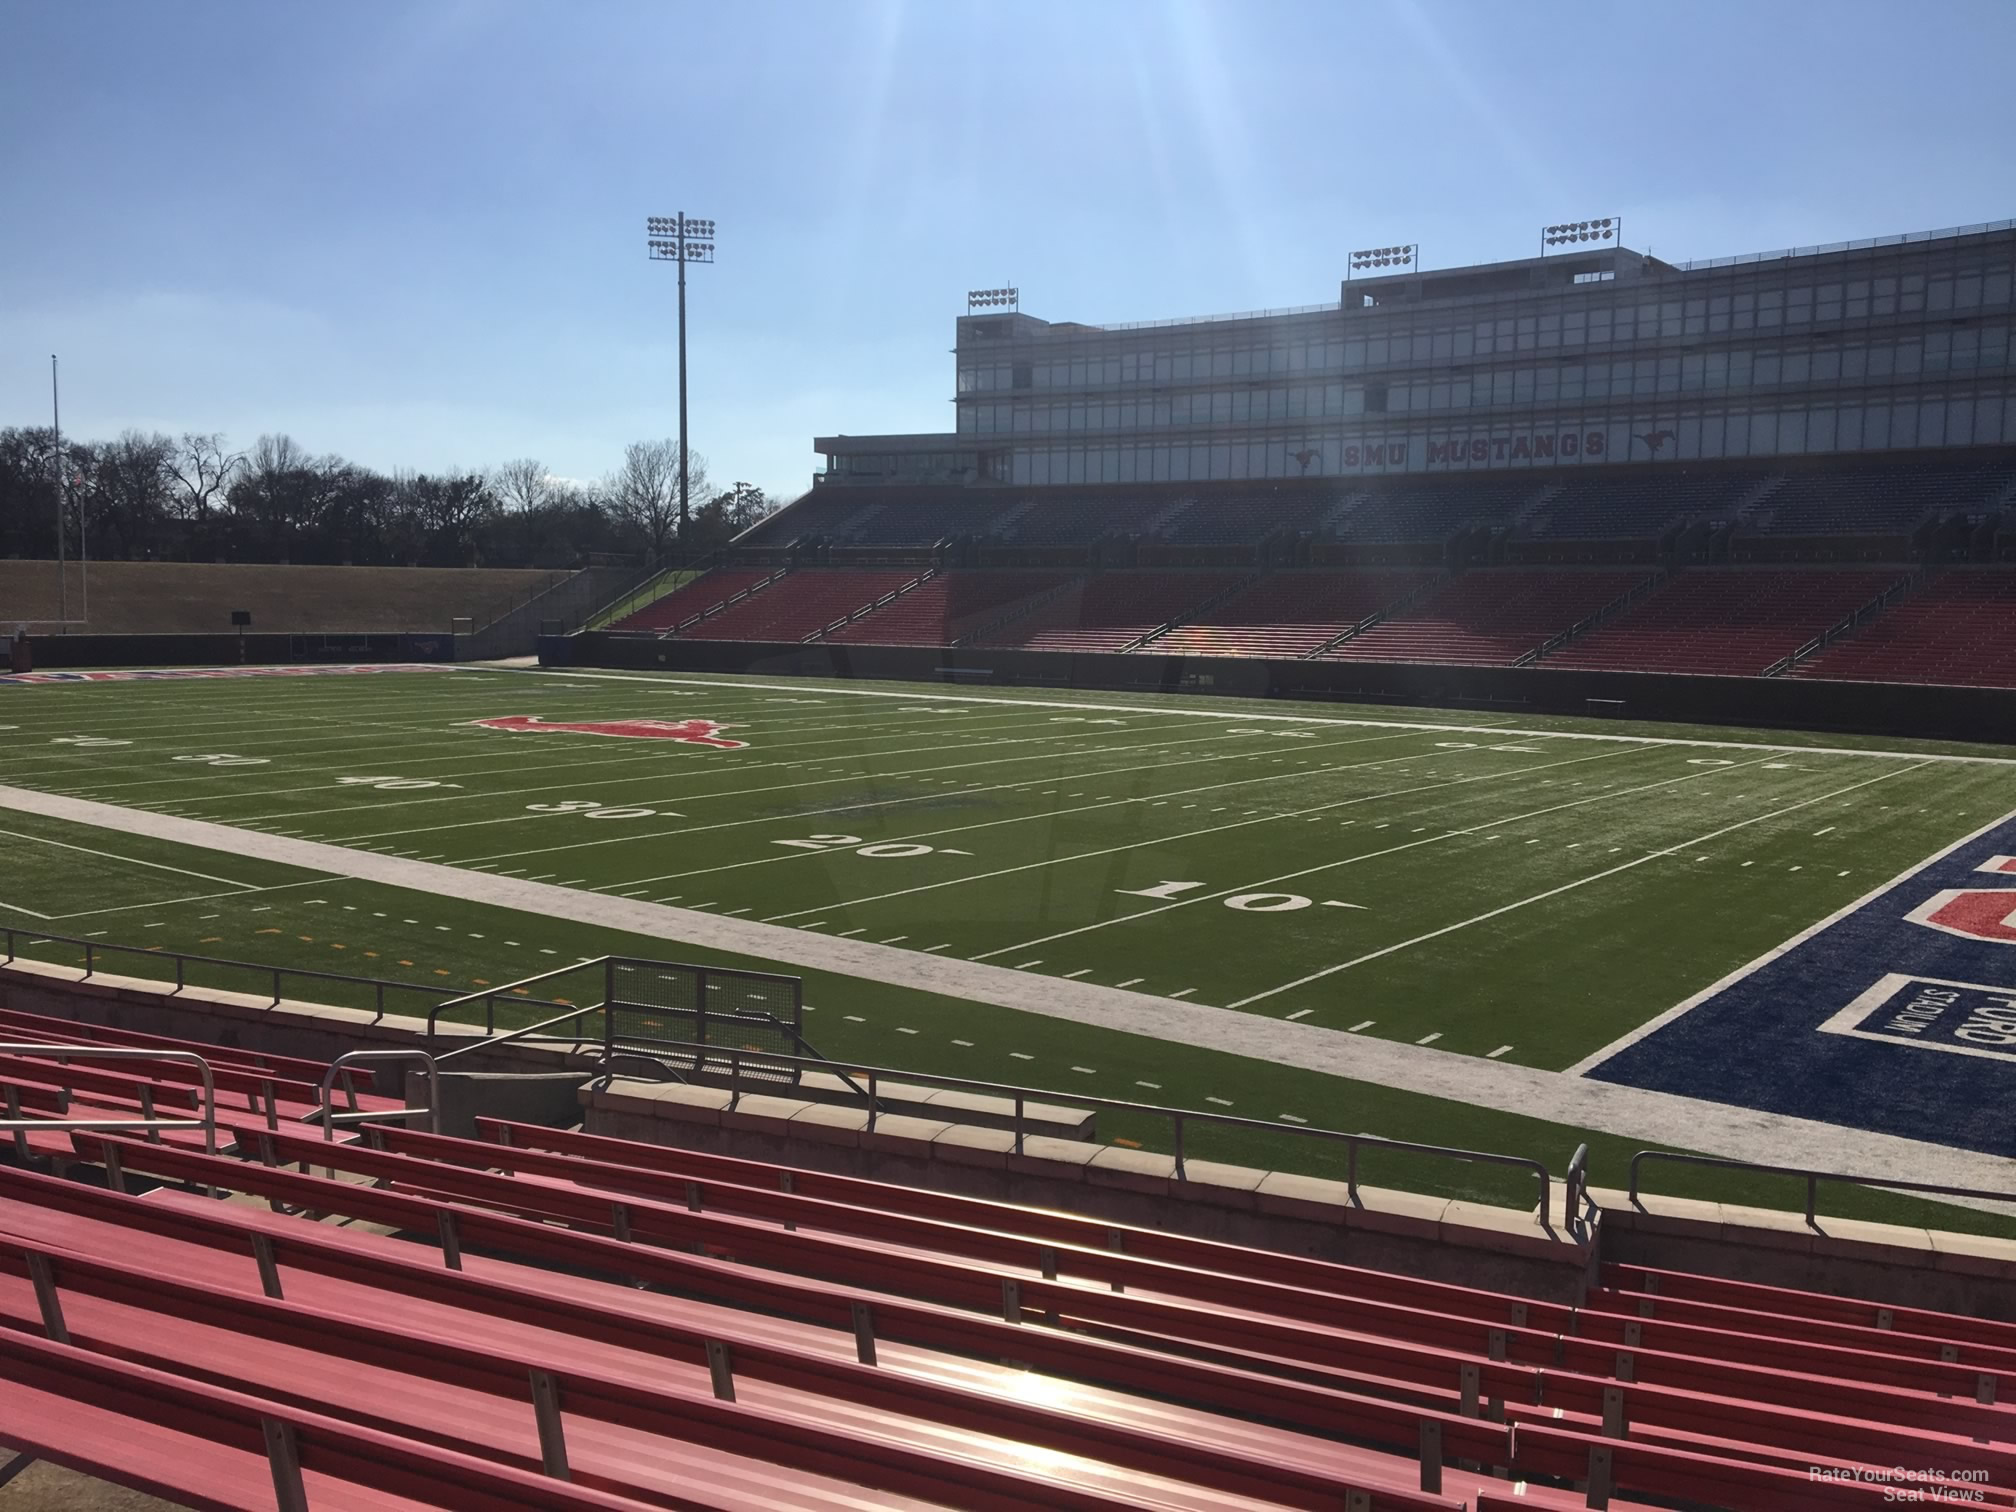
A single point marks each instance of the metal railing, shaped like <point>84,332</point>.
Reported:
<point>1810,1177</point>
<point>151,1122</point>
<point>1865,244</point>
<point>1185,320</point>
<point>327,1100</point>
<point>1180,1120</point>
<point>270,978</point>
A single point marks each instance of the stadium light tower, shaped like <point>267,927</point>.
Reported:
<point>1407,255</point>
<point>1610,228</point>
<point>681,239</point>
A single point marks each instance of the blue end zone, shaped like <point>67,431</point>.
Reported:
<point>1897,1016</point>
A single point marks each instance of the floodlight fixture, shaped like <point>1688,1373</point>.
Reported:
<point>984,299</point>
<point>1402,255</point>
<point>1609,228</point>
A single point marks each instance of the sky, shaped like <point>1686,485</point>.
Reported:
<point>412,231</point>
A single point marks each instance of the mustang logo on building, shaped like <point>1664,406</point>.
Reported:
<point>703,732</point>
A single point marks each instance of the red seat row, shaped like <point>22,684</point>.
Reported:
<point>1958,629</point>
<point>1488,618</point>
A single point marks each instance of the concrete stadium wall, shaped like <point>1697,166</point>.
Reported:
<point>56,652</point>
<point>1984,714</point>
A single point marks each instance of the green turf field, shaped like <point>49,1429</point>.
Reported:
<point>1521,889</point>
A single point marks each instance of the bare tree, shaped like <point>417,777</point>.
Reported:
<point>201,470</point>
<point>523,484</point>
<point>644,491</point>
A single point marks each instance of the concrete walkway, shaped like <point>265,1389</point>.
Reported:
<point>1558,1097</point>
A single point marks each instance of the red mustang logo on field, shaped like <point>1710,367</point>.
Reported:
<point>686,731</point>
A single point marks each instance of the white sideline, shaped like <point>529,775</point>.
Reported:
<point>1552,1096</point>
<point>1245,717</point>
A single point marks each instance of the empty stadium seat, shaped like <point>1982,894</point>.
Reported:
<point>1290,613</point>
<point>1637,506</point>
<point>1488,618</point>
<point>946,607</point>
<point>1731,621</point>
<point>1108,612</point>
<point>689,599</point>
<point>1958,629</point>
<point>802,605</point>
<point>1874,499</point>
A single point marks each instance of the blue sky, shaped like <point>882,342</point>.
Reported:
<point>412,233</point>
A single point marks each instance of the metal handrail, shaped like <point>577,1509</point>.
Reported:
<point>1863,245</point>
<point>1576,1183</point>
<point>183,960</point>
<point>1811,1178</point>
<point>1180,1119</point>
<point>330,1117</point>
<point>525,1032</point>
<point>488,996</point>
<point>18,1126</point>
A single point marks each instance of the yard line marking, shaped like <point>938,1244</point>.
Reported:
<point>1498,1052</point>
<point>1429,1039</point>
<point>1133,981</point>
<point>1301,1013</point>
<point>1366,856</point>
<point>241,892</point>
<point>1566,887</point>
<point>1233,824</point>
<point>17,908</point>
<point>129,860</point>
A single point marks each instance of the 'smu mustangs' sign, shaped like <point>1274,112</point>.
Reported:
<point>702,732</point>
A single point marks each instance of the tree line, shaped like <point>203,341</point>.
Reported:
<point>148,496</point>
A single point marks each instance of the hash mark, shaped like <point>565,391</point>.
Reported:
<point>1151,1086</point>
<point>1301,1013</point>
<point>1498,1052</point>
<point>1085,1070</point>
<point>894,938</point>
<point>901,1030</point>
<point>1133,981</point>
<point>1429,1039</point>
<point>967,1043</point>
<point>1074,975</point>
<point>1291,1118</point>
<point>1027,964</point>
<point>1223,1102</point>
<point>1018,1055</point>
<point>1184,993</point>
<point>1366,1025</point>
<point>934,949</point>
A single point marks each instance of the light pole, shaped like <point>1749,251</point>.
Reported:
<point>682,240</point>
<point>62,487</point>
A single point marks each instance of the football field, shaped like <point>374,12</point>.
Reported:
<point>1514,889</point>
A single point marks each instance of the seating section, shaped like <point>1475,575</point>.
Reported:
<point>1876,500</point>
<point>1640,507</point>
<point>159,598</point>
<point>677,1328</point>
<point>1958,629</point>
<point>1232,515</point>
<point>1290,613</point>
<point>800,606</point>
<point>1430,511</point>
<point>1076,517</point>
<point>1108,612</point>
<point>697,597</point>
<point>1488,618</point>
<point>946,607</point>
<point>1729,621</point>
